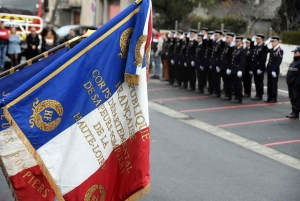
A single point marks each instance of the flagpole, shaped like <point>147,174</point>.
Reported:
<point>44,54</point>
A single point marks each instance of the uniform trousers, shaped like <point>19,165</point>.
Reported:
<point>182,74</point>
<point>216,81</point>
<point>201,76</point>
<point>209,78</point>
<point>227,83</point>
<point>247,80</point>
<point>294,94</point>
<point>238,87</point>
<point>259,83</point>
<point>191,73</point>
<point>171,72</point>
<point>272,87</point>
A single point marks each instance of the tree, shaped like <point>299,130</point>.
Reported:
<point>288,16</point>
<point>168,11</point>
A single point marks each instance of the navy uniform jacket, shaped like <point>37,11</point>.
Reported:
<point>248,53</point>
<point>208,49</point>
<point>190,51</point>
<point>275,60</point>
<point>171,49</point>
<point>199,55</point>
<point>238,60</point>
<point>182,55</point>
<point>217,49</point>
<point>226,57</point>
<point>177,48</point>
<point>293,75</point>
<point>259,58</point>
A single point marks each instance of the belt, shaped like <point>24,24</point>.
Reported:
<point>293,69</point>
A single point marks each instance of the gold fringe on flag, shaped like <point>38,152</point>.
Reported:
<point>33,152</point>
<point>141,193</point>
<point>132,79</point>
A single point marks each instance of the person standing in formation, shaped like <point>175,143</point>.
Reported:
<point>190,60</point>
<point>199,62</point>
<point>293,82</point>
<point>273,69</point>
<point>247,77</point>
<point>175,60</point>
<point>215,63</point>
<point>258,66</point>
<point>170,57</point>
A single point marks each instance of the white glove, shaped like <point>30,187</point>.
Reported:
<point>253,38</point>
<point>181,37</point>
<point>268,41</point>
<point>185,65</point>
<point>274,74</point>
<point>188,35</point>
<point>232,44</point>
<point>205,37</point>
<point>218,69</point>
<point>202,68</point>
<point>175,35</point>
<point>251,72</point>
<point>224,39</point>
<point>193,63</point>
<point>210,67</point>
<point>239,73</point>
<point>244,40</point>
<point>259,72</point>
<point>228,71</point>
<point>172,62</point>
<point>212,37</point>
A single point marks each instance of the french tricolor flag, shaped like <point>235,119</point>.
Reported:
<point>85,117</point>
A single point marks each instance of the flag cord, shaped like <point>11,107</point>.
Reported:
<point>44,54</point>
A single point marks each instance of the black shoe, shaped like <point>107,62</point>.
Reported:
<point>154,77</point>
<point>199,91</point>
<point>246,96</point>
<point>256,98</point>
<point>215,96</point>
<point>225,98</point>
<point>190,89</point>
<point>236,101</point>
<point>294,116</point>
<point>267,101</point>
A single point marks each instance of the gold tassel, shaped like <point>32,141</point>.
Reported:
<point>139,194</point>
<point>33,152</point>
<point>132,79</point>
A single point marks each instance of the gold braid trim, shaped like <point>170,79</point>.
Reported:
<point>141,193</point>
<point>34,153</point>
<point>29,62</point>
<point>11,70</point>
<point>7,179</point>
<point>132,79</point>
<point>45,54</point>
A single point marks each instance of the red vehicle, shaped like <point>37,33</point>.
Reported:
<point>23,14</point>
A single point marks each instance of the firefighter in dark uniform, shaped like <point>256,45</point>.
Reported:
<point>293,82</point>
<point>226,58</point>
<point>190,59</point>
<point>258,66</point>
<point>247,77</point>
<point>174,61</point>
<point>273,69</point>
<point>199,62</point>
<point>208,43</point>
<point>182,69</point>
<point>170,57</point>
<point>215,63</point>
<point>237,67</point>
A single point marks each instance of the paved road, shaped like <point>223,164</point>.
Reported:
<point>188,163</point>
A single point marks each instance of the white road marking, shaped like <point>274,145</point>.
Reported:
<point>231,137</point>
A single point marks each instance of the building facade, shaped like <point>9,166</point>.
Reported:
<point>84,12</point>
